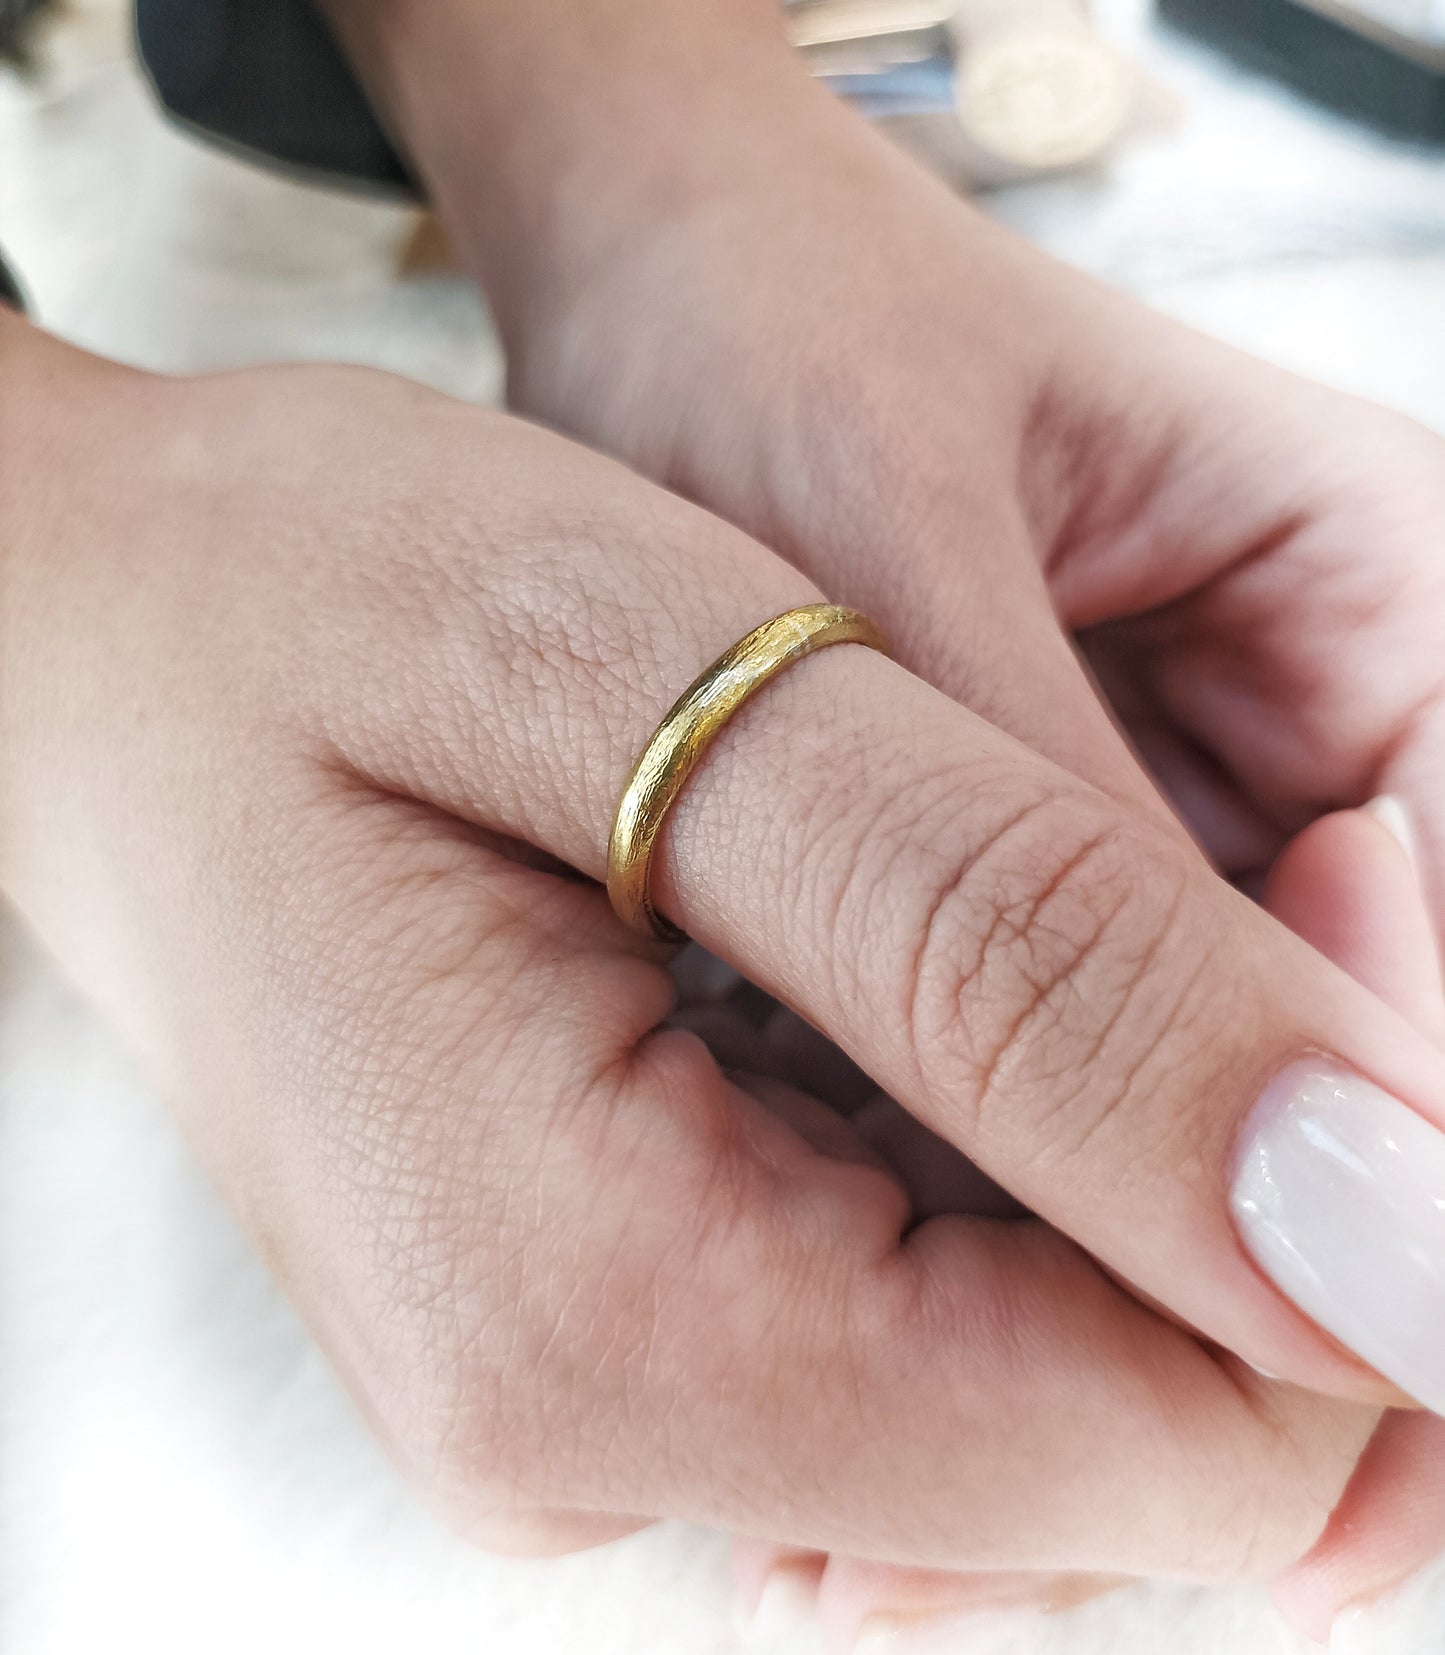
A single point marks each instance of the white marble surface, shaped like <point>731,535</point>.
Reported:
<point>178,1472</point>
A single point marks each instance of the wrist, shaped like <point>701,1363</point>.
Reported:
<point>555,135</point>
<point>27,390</point>
<point>43,389</point>
<point>27,393</point>
<point>51,463</point>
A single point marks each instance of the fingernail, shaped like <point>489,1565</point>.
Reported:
<point>1390,813</point>
<point>1405,1620</point>
<point>1339,1196</point>
<point>783,1615</point>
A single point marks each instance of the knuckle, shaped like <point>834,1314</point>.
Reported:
<point>1264,1528</point>
<point>1268,1465</point>
<point>516,1369</point>
<point>498,1325</point>
<point>1046,976</point>
<point>1265,1536</point>
<point>1299,1462</point>
<point>483,1381</point>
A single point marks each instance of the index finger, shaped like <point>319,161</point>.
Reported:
<point>1059,987</point>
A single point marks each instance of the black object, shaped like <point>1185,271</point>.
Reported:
<point>10,293</point>
<point>267,78</point>
<point>16,17</point>
<point>1376,74</point>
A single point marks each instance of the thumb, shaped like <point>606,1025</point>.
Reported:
<point>1344,886</point>
<point>1040,972</point>
<point>1217,1113</point>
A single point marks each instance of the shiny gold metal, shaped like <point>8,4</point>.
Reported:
<point>679,742</point>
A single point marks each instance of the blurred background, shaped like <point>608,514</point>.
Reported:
<point>178,1471</point>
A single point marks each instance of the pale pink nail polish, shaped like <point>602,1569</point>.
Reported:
<point>1339,1196</point>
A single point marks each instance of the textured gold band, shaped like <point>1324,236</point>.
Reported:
<point>662,770</point>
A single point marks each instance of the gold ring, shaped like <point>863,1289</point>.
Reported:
<point>662,769</point>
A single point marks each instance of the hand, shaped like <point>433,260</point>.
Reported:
<point>1343,885</point>
<point>320,690</point>
<point>711,269</point>
<point>1251,565</point>
<point>1001,459</point>
<point>781,316</point>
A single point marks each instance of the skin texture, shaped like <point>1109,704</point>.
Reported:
<point>301,780</point>
<point>987,452</point>
<point>318,694</point>
<point>1345,886</point>
<point>986,449</point>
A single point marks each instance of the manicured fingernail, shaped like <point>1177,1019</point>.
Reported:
<point>1391,814</point>
<point>1339,1196</point>
<point>1405,1620</point>
<point>783,1616</point>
